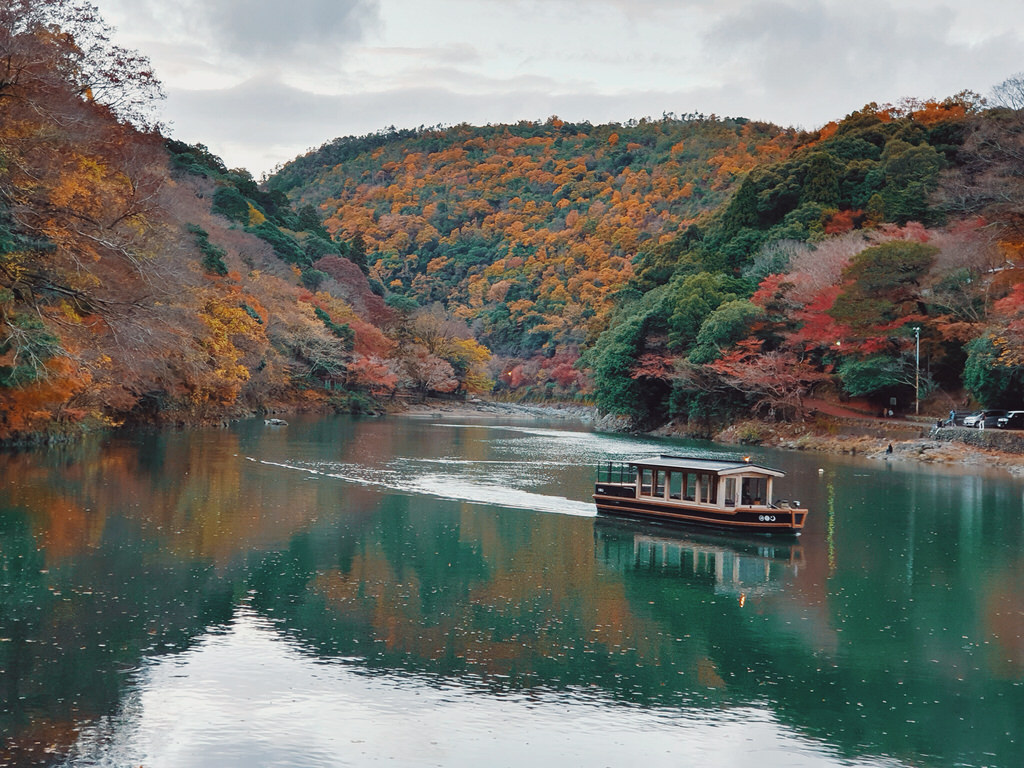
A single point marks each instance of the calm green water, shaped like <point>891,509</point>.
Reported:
<point>418,592</point>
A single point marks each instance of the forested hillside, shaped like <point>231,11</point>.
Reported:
<point>701,266</point>
<point>687,268</point>
<point>526,231</point>
<point>142,281</point>
<point>823,269</point>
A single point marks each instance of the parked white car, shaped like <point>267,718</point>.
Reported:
<point>1012,420</point>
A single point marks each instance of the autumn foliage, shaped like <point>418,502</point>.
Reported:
<point>526,231</point>
<point>686,267</point>
<point>141,280</point>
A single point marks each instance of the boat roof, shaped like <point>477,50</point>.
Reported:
<point>716,466</point>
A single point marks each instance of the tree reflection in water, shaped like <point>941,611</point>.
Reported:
<point>117,555</point>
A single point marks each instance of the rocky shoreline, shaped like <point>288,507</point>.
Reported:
<point>493,408</point>
<point>948,446</point>
<point>881,440</point>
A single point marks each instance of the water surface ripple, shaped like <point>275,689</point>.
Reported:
<point>422,592</point>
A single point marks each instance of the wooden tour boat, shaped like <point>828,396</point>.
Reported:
<point>729,494</point>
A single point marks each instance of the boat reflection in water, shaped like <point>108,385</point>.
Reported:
<point>731,565</point>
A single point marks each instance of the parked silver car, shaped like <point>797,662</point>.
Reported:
<point>983,419</point>
<point>971,419</point>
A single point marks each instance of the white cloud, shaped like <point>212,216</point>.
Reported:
<point>818,54</point>
<point>240,35</point>
<point>258,28</point>
<point>262,81</point>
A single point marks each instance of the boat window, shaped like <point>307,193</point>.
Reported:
<point>675,485</point>
<point>646,481</point>
<point>690,485</point>
<point>730,491</point>
<point>659,482</point>
<point>708,488</point>
<point>755,490</point>
<point>616,472</point>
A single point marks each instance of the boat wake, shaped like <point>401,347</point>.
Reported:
<point>444,486</point>
<point>458,489</point>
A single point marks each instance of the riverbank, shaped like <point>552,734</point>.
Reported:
<point>477,408</point>
<point>878,439</point>
<point>897,441</point>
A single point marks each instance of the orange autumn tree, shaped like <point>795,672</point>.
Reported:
<point>524,231</point>
<point>775,382</point>
<point>76,204</point>
<point>124,294</point>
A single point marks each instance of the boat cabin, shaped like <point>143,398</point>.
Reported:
<point>704,481</point>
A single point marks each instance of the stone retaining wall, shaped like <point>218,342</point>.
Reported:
<point>1010,441</point>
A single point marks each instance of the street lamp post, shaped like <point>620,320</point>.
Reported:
<point>917,370</point>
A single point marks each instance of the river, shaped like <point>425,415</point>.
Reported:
<point>438,591</point>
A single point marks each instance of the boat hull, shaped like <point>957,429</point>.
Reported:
<point>782,520</point>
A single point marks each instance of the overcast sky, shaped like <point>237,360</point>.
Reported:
<point>261,81</point>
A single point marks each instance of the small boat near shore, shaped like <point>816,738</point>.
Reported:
<point>736,494</point>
